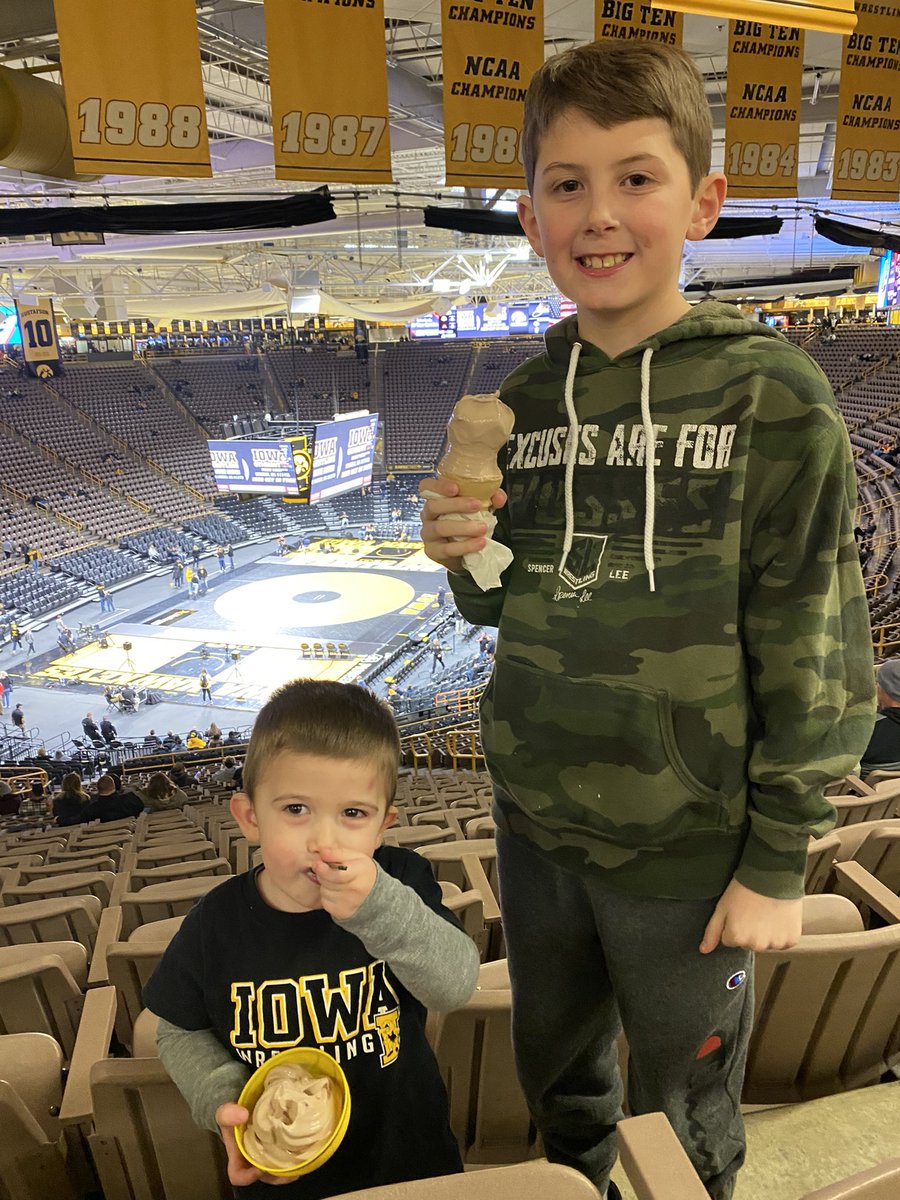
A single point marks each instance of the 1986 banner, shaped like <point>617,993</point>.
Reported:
<point>484,92</point>
<point>133,85</point>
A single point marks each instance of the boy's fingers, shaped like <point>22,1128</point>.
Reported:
<point>713,933</point>
<point>444,487</point>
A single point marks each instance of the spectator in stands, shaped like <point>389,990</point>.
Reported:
<point>195,554</point>
<point>8,548</point>
<point>229,550</point>
<point>177,573</point>
<point>220,555</point>
<point>190,577</point>
<point>437,656</point>
<point>883,750</point>
<point>112,804</point>
<point>36,802</point>
<point>71,801</point>
<point>181,777</point>
<point>34,557</point>
<point>161,793</point>
<point>153,553</point>
<point>151,739</point>
<point>225,773</point>
<point>213,732</point>
<point>202,581</point>
<point>359,906</point>
<point>90,727</point>
<point>9,800</point>
<point>205,682</point>
<point>195,741</point>
<point>18,719</point>
<point>280,546</point>
<point>5,690</point>
<point>107,730</point>
<point>105,598</point>
<point>234,738</point>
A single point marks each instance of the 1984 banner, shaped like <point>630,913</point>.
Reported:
<point>484,92</point>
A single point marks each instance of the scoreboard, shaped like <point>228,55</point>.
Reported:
<point>318,461</point>
<point>889,281</point>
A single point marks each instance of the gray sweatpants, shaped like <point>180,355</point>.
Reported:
<point>584,962</point>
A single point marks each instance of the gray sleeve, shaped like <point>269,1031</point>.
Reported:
<point>436,961</point>
<point>205,1072</point>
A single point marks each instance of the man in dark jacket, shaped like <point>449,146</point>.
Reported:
<point>108,730</point>
<point>883,750</point>
<point>90,727</point>
<point>112,804</point>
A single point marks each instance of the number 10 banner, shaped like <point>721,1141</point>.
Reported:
<point>328,82</point>
<point>133,85</point>
<point>40,347</point>
<point>484,92</point>
<point>762,109</point>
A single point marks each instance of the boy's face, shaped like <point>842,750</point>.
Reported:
<point>305,806</point>
<point>610,210</point>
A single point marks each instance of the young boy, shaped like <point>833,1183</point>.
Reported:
<point>684,656</point>
<point>333,942</point>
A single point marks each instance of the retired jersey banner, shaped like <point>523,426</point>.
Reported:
<point>762,109</point>
<point>134,91</point>
<point>484,93</point>
<point>625,19</point>
<point>328,81</point>
<point>40,348</point>
<point>867,145</point>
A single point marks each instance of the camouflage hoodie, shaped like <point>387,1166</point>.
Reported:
<point>684,656</point>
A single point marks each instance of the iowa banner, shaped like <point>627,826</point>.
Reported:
<point>329,115</point>
<point>867,146</point>
<point>762,109</point>
<point>484,91</point>
<point>40,348</point>
<point>626,19</point>
<point>134,92</point>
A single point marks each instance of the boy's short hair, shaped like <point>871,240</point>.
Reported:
<point>612,82</point>
<point>334,720</point>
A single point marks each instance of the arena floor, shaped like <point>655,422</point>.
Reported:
<point>327,611</point>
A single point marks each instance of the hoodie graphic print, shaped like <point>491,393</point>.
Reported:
<point>684,655</point>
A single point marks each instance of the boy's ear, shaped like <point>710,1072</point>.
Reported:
<point>708,201</point>
<point>389,818</point>
<point>528,221</point>
<point>245,814</point>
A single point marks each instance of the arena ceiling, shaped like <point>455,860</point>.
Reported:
<point>379,248</point>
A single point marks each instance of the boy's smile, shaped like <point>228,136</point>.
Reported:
<point>610,210</point>
<point>308,808</point>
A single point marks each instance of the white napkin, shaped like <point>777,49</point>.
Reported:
<point>487,565</point>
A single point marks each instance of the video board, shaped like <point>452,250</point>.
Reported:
<point>889,281</point>
<point>343,456</point>
<point>254,466</point>
<point>492,320</point>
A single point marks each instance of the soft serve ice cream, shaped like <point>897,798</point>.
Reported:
<point>293,1118</point>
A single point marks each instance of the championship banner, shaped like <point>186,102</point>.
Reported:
<point>626,19</point>
<point>762,109</point>
<point>867,145</point>
<point>40,348</point>
<point>484,92</point>
<point>328,83</point>
<point>134,92</point>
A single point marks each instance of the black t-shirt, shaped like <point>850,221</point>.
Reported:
<point>117,806</point>
<point>265,980</point>
<point>884,745</point>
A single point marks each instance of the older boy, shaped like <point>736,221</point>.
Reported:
<point>333,942</point>
<point>684,656</point>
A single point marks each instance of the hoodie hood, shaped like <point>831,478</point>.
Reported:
<point>565,349</point>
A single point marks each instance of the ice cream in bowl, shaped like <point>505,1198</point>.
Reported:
<point>299,1106</point>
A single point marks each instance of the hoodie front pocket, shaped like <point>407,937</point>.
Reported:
<point>597,754</point>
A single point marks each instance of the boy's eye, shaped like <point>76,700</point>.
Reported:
<point>637,179</point>
<point>296,810</point>
<point>566,185</point>
<point>355,814</point>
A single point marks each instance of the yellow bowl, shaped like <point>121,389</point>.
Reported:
<point>317,1063</point>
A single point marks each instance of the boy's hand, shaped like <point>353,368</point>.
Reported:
<point>344,882</point>
<point>240,1172</point>
<point>750,921</point>
<point>441,537</point>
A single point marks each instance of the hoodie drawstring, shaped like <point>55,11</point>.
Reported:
<point>649,461</point>
<point>649,465</point>
<point>571,452</point>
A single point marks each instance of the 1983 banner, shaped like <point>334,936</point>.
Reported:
<point>762,109</point>
<point>867,145</point>
<point>484,92</point>
<point>134,90</point>
<point>328,80</point>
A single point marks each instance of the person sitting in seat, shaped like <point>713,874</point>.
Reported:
<point>111,804</point>
<point>91,729</point>
<point>195,741</point>
<point>883,750</point>
<point>108,730</point>
<point>130,700</point>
